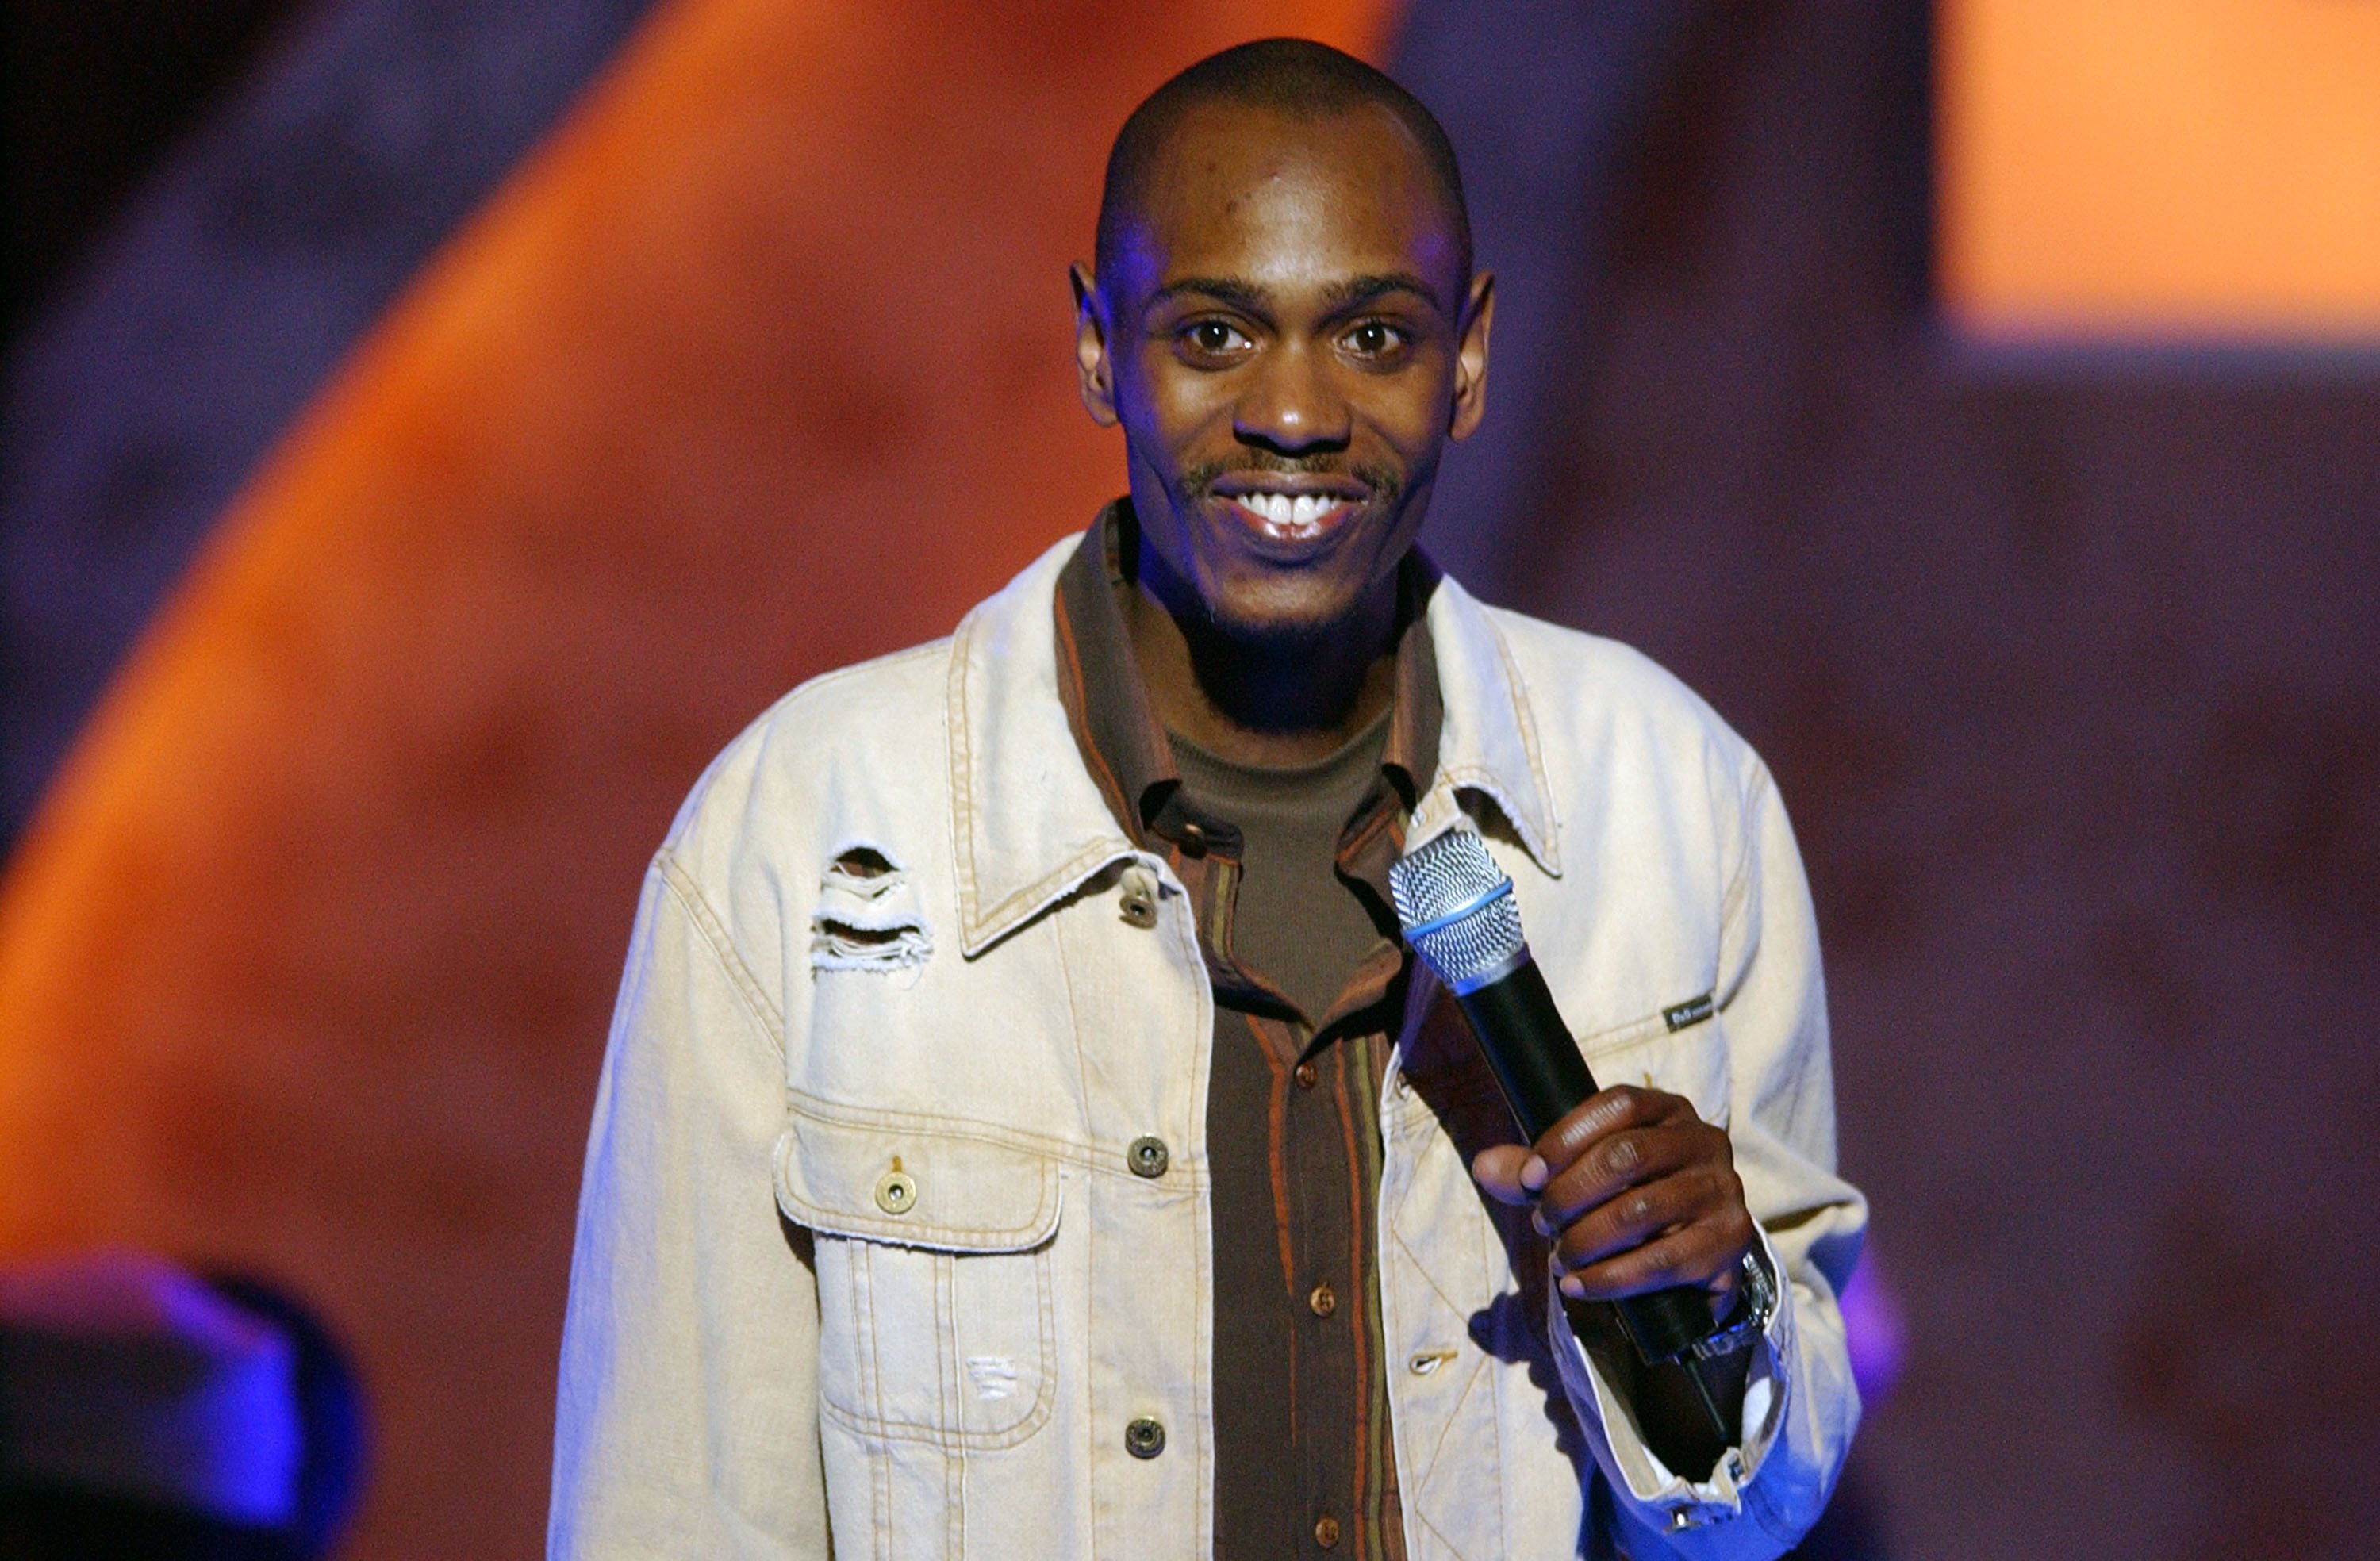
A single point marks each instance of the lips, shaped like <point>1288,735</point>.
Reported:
<point>1286,519</point>
<point>1285,514</point>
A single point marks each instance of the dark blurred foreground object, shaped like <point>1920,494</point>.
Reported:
<point>148,1412</point>
<point>96,92</point>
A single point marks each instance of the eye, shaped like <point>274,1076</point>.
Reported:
<point>1374,339</point>
<point>1214,338</point>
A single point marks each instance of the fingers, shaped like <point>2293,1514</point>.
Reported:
<point>1696,1255</point>
<point>1638,1192</point>
<point>1620,1138</point>
<point>1510,1173</point>
<point>1631,1159</point>
<point>1687,1229</point>
<point>1614,1111</point>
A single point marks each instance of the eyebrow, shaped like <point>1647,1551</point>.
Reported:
<point>1364,289</point>
<point>1249,296</point>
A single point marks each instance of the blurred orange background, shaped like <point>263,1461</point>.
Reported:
<point>763,366</point>
<point>2185,168</point>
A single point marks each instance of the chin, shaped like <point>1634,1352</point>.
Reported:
<point>1281,617</point>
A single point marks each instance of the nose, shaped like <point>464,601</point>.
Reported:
<point>1290,405</point>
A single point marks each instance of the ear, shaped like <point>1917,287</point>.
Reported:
<point>1092,364</point>
<point>1470,357</point>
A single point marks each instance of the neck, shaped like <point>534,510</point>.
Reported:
<point>1263,701</point>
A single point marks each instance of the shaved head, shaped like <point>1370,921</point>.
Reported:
<point>1290,77</point>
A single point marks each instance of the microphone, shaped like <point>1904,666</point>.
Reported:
<point>1458,912</point>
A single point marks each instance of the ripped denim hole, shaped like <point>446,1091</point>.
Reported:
<point>862,862</point>
<point>867,918</point>
<point>994,1375</point>
<point>837,943</point>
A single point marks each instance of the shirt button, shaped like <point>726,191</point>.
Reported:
<point>1194,841</point>
<point>1323,1302</point>
<point>1326,1531</point>
<point>1148,1156</point>
<point>1144,1438</point>
<point>1307,1074</point>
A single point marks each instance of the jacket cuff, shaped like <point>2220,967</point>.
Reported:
<point>1662,1500</point>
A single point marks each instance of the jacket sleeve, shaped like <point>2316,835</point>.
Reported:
<point>686,1421</point>
<point>1800,1406</point>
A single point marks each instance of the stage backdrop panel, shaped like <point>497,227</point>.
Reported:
<point>2161,169</point>
<point>762,366</point>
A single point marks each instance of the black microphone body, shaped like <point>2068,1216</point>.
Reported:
<point>1458,910</point>
<point>1544,1079</point>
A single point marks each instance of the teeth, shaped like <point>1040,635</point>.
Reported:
<point>1298,516</point>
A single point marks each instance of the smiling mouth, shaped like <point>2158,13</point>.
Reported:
<point>1290,517</point>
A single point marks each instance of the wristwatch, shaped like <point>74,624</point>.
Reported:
<point>1755,1302</point>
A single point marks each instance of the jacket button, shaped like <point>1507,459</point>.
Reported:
<point>896,1192</point>
<point>1194,841</point>
<point>1323,1302</point>
<point>1326,1531</point>
<point>1144,1438</point>
<point>1138,900</point>
<point>1308,1075</point>
<point>1148,1156</point>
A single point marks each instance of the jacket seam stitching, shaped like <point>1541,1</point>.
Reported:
<point>959,734</point>
<point>715,936</point>
<point>1089,1156</point>
<point>988,927</point>
<point>1439,1534</point>
<point>1738,893</point>
<point>1074,1028</point>
<point>1525,720</point>
<point>938,1235</point>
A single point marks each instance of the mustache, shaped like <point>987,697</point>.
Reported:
<point>1384,482</point>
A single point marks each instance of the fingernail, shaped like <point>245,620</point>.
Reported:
<point>1532,1173</point>
<point>1572,1287</point>
<point>1537,1222</point>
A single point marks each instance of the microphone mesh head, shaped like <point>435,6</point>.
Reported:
<point>1453,876</point>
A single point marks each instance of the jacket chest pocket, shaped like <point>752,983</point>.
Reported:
<point>1690,1060</point>
<point>936,1318</point>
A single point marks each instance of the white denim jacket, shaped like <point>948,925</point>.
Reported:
<point>867,1260</point>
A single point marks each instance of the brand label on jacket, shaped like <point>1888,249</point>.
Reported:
<point>1693,1010</point>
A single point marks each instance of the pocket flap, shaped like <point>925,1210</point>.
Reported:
<point>917,1182</point>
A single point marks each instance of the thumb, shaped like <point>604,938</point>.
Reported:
<point>1510,1173</point>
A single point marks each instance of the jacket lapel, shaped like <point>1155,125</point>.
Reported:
<point>1028,822</point>
<point>1489,742</point>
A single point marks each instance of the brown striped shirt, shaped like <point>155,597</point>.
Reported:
<point>1302,1433</point>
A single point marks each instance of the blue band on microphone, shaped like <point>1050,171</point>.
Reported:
<point>1488,977</point>
<point>1414,934</point>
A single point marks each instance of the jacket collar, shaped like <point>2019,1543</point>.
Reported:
<point>1030,824</point>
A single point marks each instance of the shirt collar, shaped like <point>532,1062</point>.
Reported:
<point>1030,824</point>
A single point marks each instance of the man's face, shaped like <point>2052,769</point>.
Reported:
<point>1288,343</point>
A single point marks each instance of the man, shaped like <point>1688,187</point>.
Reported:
<point>1023,1133</point>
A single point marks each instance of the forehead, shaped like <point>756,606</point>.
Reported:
<point>1253,194</point>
